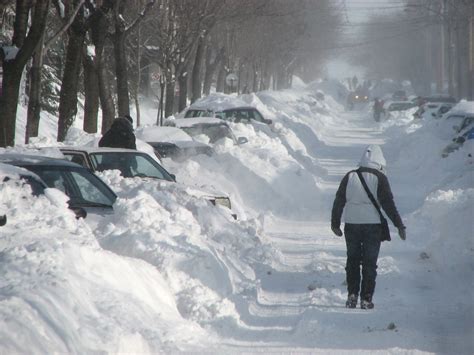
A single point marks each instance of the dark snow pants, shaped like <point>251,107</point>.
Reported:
<point>363,245</point>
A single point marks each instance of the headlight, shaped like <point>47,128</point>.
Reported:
<point>223,201</point>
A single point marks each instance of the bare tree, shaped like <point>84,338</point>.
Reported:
<point>14,58</point>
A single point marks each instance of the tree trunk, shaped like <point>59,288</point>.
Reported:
<point>9,103</point>
<point>183,92</point>
<point>121,72</point>
<point>13,69</point>
<point>70,82</point>
<point>92,95</point>
<point>220,85</point>
<point>170,87</point>
<point>34,97</point>
<point>197,67</point>
<point>106,100</point>
<point>99,24</point>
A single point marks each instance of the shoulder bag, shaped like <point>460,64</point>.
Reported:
<point>383,221</point>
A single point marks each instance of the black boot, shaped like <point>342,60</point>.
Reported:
<point>366,302</point>
<point>351,301</point>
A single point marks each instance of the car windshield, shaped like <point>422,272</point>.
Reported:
<point>83,188</point>
<point>130,164</point>
<point>214,132</point>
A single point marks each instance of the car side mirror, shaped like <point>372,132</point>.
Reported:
<point>3,220</point>
<point>460,140</point>
<point>79,212</point>
<point>173,176</point>
<point>242,140</point>
<point>269,122</point>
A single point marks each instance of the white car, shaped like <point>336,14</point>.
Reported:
<point>213,129</point>
<point>172,142</point>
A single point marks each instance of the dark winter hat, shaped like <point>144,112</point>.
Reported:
<point>129,118</point>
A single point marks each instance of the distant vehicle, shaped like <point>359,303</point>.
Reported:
<point>439,98</point>
<point>172,142</point>
<point>213,128</point>
<point>242,114</point>
<point>465,131</point>
<point>87,193</point>
<point>399,106</point>
<point>399,95</point>
<point>133,163</point>
<point>356,98</point>
<point>433,109</point>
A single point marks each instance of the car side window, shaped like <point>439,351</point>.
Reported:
<point>88,191</point>
<point>76,158</point>
<point>257,116</point>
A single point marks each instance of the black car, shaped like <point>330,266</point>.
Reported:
<point>85,190</point>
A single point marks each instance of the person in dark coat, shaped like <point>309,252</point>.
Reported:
<point>363,226</point>
<point>120,134</point>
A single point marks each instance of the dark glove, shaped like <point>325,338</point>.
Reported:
<point>3,220</point>
<point>402,233</point>
<point>337,231</point>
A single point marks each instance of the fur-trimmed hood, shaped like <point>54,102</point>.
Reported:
<point>373,158</point>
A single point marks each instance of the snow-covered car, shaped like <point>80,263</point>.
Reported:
<point>87,193</point>
<point>242,114</point>
<point>465,133</point>
<point>213,129</point>
<point>398,106</point>
<point>129,162</point>
<point>399,95</point>
<point>133,163</point>
<point>198,112</point>
<point>433,110</point>
<point>172,142</point>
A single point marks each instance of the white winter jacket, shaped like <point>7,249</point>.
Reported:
<point>352,199</point>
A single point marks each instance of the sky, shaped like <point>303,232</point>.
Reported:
<point>169,272</point>
<point>356,15</point>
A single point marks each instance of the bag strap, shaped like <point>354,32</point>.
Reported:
<point>369,193</point>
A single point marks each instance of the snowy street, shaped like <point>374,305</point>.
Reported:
<point>170,272</point>
<point>303,296</point>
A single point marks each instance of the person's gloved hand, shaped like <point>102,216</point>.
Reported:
<point>337,231</point>
<point>402,233</point>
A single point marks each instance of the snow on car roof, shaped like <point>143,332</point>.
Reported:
<point>189,122</point>
<point>463,107</point>
<point>163,134</point>
<point>217,102</point>
<point>12,170</point>
<point>89,149</point>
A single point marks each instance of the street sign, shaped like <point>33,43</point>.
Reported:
<point>231,80</point>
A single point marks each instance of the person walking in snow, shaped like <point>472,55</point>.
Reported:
<point>120,134</point>
<point>364,227</point>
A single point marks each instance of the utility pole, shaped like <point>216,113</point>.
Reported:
<point>471,54</point>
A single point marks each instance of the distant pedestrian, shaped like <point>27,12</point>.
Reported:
<point>120,134</point>
<point>378,109</point>
<point>360,195</point>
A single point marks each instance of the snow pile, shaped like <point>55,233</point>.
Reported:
<point>61,291</point>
